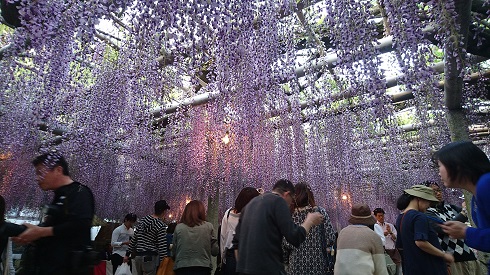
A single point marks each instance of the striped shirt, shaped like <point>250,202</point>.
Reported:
<point>150,237</point>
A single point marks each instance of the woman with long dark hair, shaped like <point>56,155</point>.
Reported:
<point>194,242</point>
<point>463,165</point>
<point>417,241</point>
<point>228,226</point>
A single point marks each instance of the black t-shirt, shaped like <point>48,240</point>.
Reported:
<point>70,214</point>
<point>78,206</point>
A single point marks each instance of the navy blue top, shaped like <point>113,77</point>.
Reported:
<point>415,227</point>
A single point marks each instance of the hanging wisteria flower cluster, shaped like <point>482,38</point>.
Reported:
<point>182,100</point>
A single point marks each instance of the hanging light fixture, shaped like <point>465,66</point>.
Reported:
<point>226,138</point>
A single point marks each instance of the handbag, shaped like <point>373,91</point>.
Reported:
<point>123,270</point>
<point>166,267</point>
<point>219,269</point>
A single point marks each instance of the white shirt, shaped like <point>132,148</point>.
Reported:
<point>390,239</point>
<point>120,235</point>
<point>379,231</point>
<point>228,226</point>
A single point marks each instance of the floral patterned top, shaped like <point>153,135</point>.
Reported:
<point>311,257</point>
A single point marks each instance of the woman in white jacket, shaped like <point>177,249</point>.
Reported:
<point>228,225</point>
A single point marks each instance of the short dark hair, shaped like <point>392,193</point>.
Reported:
<point>130,217</point>
<point>463,160</point>
<point>283,185</point>
<point>378,210</point>
<point>171,227</point>
<point>194,214</point>
<point>52,160</point>
<point>244,197</point>
<point>161,206</point>
<point>403,201</point>
<point>428,183</point>
<point>304,195</point>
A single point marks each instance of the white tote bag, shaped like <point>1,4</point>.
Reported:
<point>123,270</point>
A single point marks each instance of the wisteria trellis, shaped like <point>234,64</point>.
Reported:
<point>102,97</point>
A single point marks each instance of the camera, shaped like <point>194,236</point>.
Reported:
<point>52,213</point>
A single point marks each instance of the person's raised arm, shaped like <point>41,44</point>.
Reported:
<point>311,220</point>
<point>33,233</point>
<point>477,238</point>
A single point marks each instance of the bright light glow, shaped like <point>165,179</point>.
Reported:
<point>5,156</point>
<point>226,139</point>
<point>344,197</point>
<point>187,201</point>
<point>170,215</point>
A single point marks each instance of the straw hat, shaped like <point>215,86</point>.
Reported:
<point>361,214</point>
<point>423,192</point>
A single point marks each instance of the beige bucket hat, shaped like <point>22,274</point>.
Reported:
<point>423,192</point>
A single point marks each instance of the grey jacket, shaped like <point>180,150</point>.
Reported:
<point>194,246</point>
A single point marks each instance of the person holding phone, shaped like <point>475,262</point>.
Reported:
<point>464,259</point>
<point>417,241</point>
<point>463,165</point>
<point>120,240</point>
<point>389,233</point>
<point>263,224</point>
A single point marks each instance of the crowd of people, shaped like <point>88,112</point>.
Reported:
<point>282,231</point>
